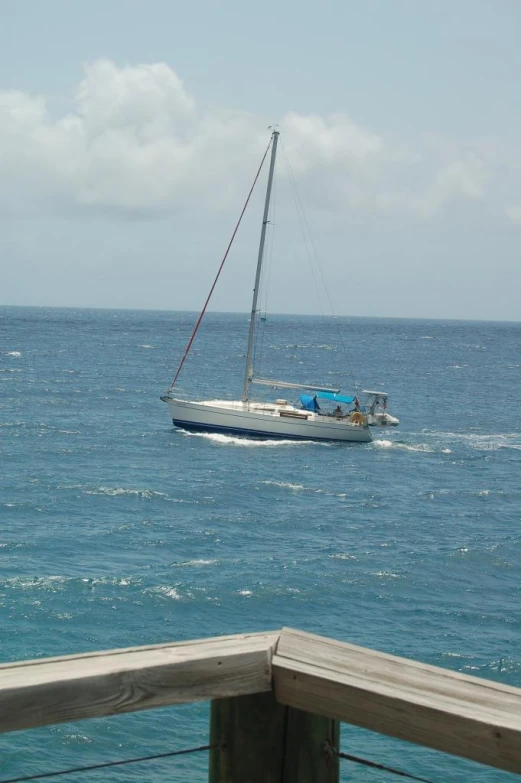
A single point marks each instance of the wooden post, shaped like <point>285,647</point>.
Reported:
<point>250,732</point>
<point>260,741</point>
<point>307,754</point>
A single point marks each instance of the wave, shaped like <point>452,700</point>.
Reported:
<point>303,346</point>
<point>302,488</point>
<point>117,581</point>
<point>483,441</point>
<point>145,494</point>
<point>55,583</point>
<point>284,484</point>
<point>52,583</point>
<point>231,440</point>
<point>383,444</point>
<point>165,591</point>
<point>387,574</point>
<point>13,353</point>
<point>196,563</point>
<point>115,491</point>
<point>418,447</point>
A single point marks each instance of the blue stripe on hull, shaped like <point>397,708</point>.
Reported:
<point>193,427</point>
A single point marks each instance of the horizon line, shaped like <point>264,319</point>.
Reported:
<point>272,314</point>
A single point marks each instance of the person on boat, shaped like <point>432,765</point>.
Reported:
<point>338,412</point>
<point>357,408</point>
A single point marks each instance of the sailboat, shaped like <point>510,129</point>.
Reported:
<point>349,421</point>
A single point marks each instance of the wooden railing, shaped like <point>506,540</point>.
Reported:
<point>277,700</point>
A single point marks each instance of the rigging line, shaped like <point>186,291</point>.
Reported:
<point>309,239</point>
<point>310,250</point>
<point>111,764</point>
<point>374,765</point>
<point>219,270</point>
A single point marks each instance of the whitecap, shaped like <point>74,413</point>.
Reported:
<point>284,484</point>
<point>75,737</point>
<point>196,563</point>
<point>117,491</point>
<point>168,592</point>
<point>417,447</point>
<point>383,444</point>
<point>13,353</point>
<point>485,441</point>
<point>52,583</point>
<point>171,592</point>
<point>229,440</point>
<point>387,574</point>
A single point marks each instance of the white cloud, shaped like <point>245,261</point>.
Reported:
<point>135,140</point>
<point>514,213</point>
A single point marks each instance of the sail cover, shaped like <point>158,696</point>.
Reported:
<point>335,397</point>
<point>309,402</point>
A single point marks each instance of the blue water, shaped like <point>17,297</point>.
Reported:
<point>117,530</point>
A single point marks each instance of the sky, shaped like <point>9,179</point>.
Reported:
<point>130,134</point>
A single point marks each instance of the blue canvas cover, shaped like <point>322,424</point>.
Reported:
<point>309,402</point>
<point>335,397</point>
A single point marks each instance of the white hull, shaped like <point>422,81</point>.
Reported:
<point>263,420</point>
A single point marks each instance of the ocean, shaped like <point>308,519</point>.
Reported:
<point>118,530</point>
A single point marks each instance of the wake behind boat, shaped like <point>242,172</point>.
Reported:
<point>313,419</point>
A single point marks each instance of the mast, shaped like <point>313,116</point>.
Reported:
<point>248,375</point>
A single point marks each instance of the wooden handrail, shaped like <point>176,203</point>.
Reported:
<point>456,713</point>
<point>434,707</point>
<point>56,690</point>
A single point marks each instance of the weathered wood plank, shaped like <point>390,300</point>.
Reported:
<point>41,692</point>
<point>250,734</point>
<point>406,674</point>
<point>448,711</point>
<point>254,635</point>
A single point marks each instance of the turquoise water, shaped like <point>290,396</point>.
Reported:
<point>117,530</point>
